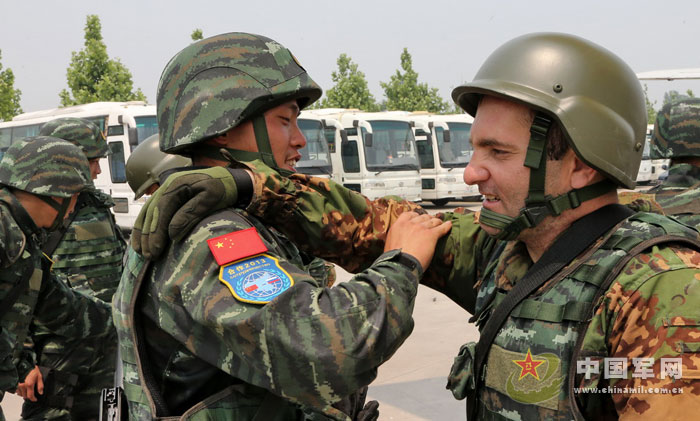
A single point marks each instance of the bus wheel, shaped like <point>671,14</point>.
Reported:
<point>440,202</point>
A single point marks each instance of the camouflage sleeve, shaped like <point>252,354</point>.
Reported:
<point>312,345</point>
<point>651,315</point>
<point>72,314</point>
<point>8,370</point>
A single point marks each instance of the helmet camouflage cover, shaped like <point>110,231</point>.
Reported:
<point>677,130</point>
<point>595,96</point>
<point>213,85</point>
<point>80,132</point>
<point>147,162</point>
<point>45,166</point>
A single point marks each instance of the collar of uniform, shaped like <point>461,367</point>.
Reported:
<point>512,265</point>
<point>683,175</point>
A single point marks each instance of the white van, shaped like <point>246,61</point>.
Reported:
<point>125,125</point>
<point>372,153</point>
<point>444,151</point>
<point>658,166</point>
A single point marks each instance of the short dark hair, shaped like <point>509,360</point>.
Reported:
<point>557,145</point>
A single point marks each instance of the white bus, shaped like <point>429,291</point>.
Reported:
<point>372,153</point>
<point>124,124</point>
<point>316,157</point>
<point>444,151</point>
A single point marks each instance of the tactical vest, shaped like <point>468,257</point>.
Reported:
<point>91,250</point>
<point>236,400</point>
<point>529,366</point>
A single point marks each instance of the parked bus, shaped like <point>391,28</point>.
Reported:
<point>315,156</point>
<point>372,153</point>
<point>444,151</point>
<point>124,124</point>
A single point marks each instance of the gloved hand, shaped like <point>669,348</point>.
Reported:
<point>183,200</point>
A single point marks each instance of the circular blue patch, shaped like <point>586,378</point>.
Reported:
<point>258,279</point>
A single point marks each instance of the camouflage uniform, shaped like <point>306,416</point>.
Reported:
<point>89,259</point>
<point>677,135</point>
<point>31,165</point>
<point>194,345</point>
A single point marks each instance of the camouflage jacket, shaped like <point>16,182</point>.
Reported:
<point>220,355</point>
<point>46,299</point>
<point>679,194</point>
<point>334,220</point>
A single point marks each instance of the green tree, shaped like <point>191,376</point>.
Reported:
<point>403,92</point>
<point>350,89</point>
<point>93,76</point>
<point>675,95</point>
<point>651,112</point>
<point>196,35</point>
<point>9,96</point>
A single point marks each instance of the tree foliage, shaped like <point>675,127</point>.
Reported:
<point>674,95</point>
<point>350,89</point>
<point>9,96</point>
<point>93,76</point>
<point>196,35</point>
<point>651,112</point>
<point>403,92</point>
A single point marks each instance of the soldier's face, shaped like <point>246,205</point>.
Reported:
<point>95,168</point>
<point>500,135</point>
<point>285,136</point>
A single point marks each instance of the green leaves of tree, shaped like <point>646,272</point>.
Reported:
<point>93,76</point>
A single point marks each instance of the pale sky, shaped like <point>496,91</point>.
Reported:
<point>447,39</point>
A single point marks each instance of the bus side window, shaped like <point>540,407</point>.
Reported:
<point>117,166</point>
<point>425,153</point>
<point>351,159</point>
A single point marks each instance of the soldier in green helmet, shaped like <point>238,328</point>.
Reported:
<point>232,324</point>
<point>87,256</point>
<point>587,309</point>
<point>148,165</point>
<point>40,180</point>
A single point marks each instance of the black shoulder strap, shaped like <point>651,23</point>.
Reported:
<point>570,244</point>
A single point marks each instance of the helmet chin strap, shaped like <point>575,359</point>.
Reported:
<point>61,208</point>
<point>538,205</point>
<point>264,148</point>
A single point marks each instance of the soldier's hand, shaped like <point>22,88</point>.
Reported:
<point>416,235</point>
<point>183,200</point>
<point>26,388</point>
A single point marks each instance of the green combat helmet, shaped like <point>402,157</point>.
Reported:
<point>594,95</point>
<point>47,167</point>
<point>79,132</point>
<point>146,164</point>
<point>215,84</point>
<point>677,130</point>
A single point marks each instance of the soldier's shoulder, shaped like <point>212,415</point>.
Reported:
<point>12,239</point>
<point>99,198</point>
<point>219,223</point>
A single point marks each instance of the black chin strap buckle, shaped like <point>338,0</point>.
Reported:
<point>535,213</point>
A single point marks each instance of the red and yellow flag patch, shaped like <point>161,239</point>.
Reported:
<point>236,245</point>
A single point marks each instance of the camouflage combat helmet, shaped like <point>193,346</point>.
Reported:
<point>79,132</point>
<point>146,164</point>
<point>47,167</point>
<point>677,130</point>
<point>594,96</point>
<point>213,85</point>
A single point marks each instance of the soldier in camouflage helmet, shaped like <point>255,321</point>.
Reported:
<point>87,256</point>
<point>677,136</point>
<point>563,282</point>
<point>40,180</point>
<point>233,323</point>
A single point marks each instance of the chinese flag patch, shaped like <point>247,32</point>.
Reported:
<point>236,245</point>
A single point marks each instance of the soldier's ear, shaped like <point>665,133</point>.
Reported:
<point>581,174</point>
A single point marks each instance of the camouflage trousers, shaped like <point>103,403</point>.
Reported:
<point>79,375</point>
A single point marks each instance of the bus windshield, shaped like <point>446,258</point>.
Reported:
<point>393,147</point>
<point>315,158</point>
<point>146,126</point>
<point>458,151</point>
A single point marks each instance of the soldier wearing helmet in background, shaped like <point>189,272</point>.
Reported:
<point>40,178</point>
<point>568,288</point>
<point>88,256</point>
<point>148,165</point>
<point>677,136</point>
<point>231,324</point>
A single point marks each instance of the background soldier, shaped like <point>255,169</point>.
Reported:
<point>147,166</point>
<point>231,324</point>
<point>87,256</point>
<point>677,136</point>
<point>555,272</point>
<point>41,178</point>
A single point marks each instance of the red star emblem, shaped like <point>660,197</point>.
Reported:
<point>528,366</point>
